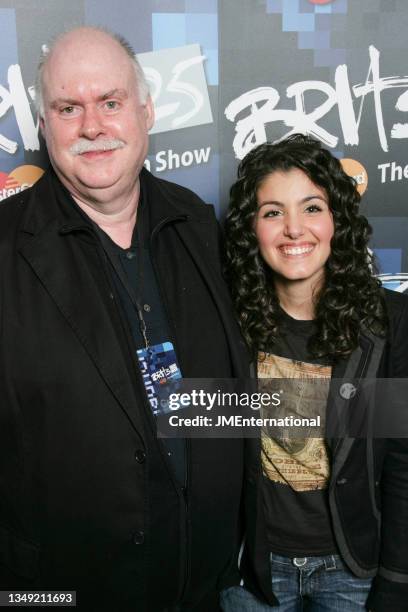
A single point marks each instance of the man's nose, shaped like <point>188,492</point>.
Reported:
<point>92,124</point>
<point>293,225</point>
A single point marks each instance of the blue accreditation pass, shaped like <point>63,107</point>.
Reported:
<point>160,372</point>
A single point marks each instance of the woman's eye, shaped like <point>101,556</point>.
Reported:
<point>111,104</point>
<point>271,213</point>
<point>313,208</point>
<point>67,110</point>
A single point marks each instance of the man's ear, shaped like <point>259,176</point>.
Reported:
<point>149,113</point>
<point>41,123</point>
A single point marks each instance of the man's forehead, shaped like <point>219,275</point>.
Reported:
<point>77,52</point>
<point>94,72</point>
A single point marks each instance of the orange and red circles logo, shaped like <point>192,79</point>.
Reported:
<point>355,169</point>
<point>320,1</point>
<point>18,179</point>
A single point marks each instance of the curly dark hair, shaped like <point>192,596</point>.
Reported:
<point>351,297</point>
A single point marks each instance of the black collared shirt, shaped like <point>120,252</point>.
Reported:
<point>145,288</point>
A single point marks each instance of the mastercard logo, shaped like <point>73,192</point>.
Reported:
<point>357,171</point>
<point>18,179</point>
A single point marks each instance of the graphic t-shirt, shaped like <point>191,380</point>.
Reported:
<point>296,468</point>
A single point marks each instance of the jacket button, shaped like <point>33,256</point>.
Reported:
<point>342,481</point>
<point>138,537</point>
<point>140,456</point>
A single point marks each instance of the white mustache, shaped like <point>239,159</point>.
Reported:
<point>83,145</point>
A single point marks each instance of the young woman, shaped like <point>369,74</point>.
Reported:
<point>329,528</point>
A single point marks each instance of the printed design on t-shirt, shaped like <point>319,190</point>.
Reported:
<point>299,462</point>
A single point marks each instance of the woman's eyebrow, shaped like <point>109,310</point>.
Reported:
<point>313,197</point>
<point>302,201</point>
<point>274,202</point>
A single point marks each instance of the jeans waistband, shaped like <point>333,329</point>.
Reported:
<point>331,562</point>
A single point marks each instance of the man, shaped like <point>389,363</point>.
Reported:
<point>101,265</point>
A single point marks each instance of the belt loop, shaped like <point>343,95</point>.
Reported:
<point>330,562</point>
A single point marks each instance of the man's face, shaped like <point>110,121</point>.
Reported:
<point>94,124</point>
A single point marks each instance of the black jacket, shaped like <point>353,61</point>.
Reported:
<point>88,500</point>
<point>368,490</point>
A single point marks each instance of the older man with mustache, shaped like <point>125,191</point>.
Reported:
<point>107,274</point>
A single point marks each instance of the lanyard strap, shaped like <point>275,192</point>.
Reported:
<point>113,257</point>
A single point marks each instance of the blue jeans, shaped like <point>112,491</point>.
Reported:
<point>311,584</point>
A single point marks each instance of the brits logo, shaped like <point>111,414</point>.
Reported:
<point>18,179</point>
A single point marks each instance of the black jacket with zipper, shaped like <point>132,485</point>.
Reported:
<point>368,489</point>
<point>88,499</point>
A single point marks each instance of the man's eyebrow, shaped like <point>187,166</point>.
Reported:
<point>118,93</point>
<point>68,101</point>
<point>114,93</point>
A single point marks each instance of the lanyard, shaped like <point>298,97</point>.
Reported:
<point>113,257</point>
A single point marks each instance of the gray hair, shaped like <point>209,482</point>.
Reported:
<point>142,85</point>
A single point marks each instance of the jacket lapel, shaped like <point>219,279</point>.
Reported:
<point>198,233</point>
<point>220,294</point>
<point>349,409</point>
<point>58,261</point>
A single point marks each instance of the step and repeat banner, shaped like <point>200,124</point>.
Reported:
<point>226,75</point>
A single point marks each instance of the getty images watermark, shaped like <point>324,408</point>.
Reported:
<point>223,399</point>
<point>231,408</point>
